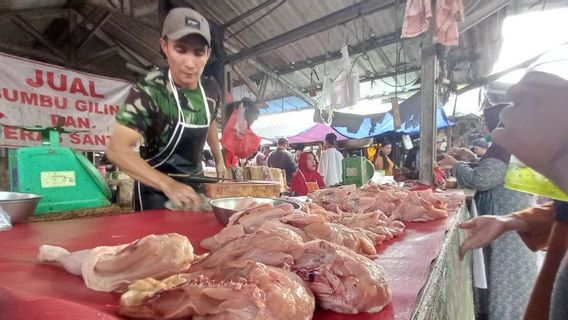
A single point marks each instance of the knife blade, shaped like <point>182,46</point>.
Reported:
<point>203,179</point>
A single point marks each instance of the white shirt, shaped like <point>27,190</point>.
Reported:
<point>331,167</point>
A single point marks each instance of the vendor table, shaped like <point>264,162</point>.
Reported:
<point>426,277</point>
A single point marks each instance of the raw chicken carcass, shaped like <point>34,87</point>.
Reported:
<point>246,203</point>
<point>225,235</point>
<point>342,235</point>
<point>272,247</point>
<point>238,290</point>
<point>253,217</point>
<point>387,201</point>
<point>342,280</point>
<point>329,216</point>
<point>346,282</point>
<point>262,219</point>
<point>452,199</point>
<point>332,198</point>
<point>375,222</point>
<point>284,289</point>
<point>428,195</point>
<point>358,203</point>
<point>416,208</point>
<point>113,268</point>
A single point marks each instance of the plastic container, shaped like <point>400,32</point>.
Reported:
<point>357,170</point>
<point>522,178</point>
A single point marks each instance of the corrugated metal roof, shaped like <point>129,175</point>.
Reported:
<point>135,32</point>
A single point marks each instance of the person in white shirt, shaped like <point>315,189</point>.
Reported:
<point>330,166</point>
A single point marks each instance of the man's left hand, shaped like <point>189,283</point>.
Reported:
<point>221,170</point>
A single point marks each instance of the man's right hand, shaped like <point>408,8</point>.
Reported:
<point>181,194</point>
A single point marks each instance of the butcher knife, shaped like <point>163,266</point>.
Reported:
<point>192,178</point>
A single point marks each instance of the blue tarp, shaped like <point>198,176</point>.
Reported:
<point>366,130</point>
<point>284,104</point>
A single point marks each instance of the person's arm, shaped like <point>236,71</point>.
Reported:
<point>487,175</point>
<point>482,230</point>
<point>533,225</point>
<point>213,142</point>
<point>540,220</point>
<point>322,166</point>
<point>379,163</point>
<point>269,159</point>
<point>120,152</point>
<point>539,302</point>
<point>292,163</point>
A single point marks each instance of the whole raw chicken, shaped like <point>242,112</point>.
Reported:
<point>113,268</point>
<point>237,290</point>
<point>342,280</point>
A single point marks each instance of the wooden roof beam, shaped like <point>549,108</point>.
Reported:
<point>24,25</point>
<point>339,17</point>
<point>106,53</point>
<point>94,30</point>
<point>39,13</point>
<point>26,51</point>
<point>144,10</point>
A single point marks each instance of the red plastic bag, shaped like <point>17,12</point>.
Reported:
<point>238,138</point>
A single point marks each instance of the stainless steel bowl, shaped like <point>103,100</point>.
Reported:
<point>224,208</point>
<point>19,206</point>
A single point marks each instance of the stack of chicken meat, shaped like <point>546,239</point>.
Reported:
<point>269,262</point>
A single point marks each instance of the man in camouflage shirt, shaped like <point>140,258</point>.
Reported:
<point>151,109</point>
<point>173,112</point>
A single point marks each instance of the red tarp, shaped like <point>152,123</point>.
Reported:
<point>29,290</point>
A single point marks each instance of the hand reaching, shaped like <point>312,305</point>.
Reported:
<point>482,230</point>
<point>447,162</point>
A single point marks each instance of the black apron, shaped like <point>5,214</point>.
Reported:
<point>182,154</point>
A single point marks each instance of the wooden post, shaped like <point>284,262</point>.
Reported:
<point>428,110</point>
<point>227,91</point>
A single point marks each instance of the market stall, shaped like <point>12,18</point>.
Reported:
<point>424,273</point>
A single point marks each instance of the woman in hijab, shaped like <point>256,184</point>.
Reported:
<point>511,267</point>
<point>382,160</point>
<point>306,179</point>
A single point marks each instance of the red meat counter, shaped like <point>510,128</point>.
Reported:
<point>424,273</point>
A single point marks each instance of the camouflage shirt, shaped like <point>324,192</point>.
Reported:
<point>151,109</point>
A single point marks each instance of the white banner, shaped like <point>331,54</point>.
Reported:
<point>35,94</point>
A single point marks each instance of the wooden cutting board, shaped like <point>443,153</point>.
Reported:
<point>264,189</point>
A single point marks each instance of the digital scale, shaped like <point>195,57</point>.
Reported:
<point>66,179</point>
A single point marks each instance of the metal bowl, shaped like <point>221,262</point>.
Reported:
<point>19,206</point>
<point>224,208</point>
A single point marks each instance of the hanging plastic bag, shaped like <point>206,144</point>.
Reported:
<point>345,88</point>
<point>326,94</point>
<point>241,123</point>
<point>407,142</point>
<point>238,138</point>
<point>5,221</point>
